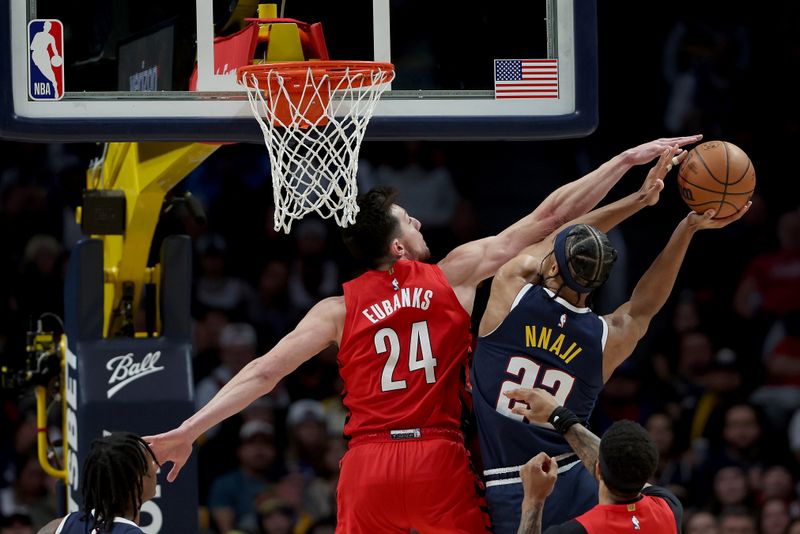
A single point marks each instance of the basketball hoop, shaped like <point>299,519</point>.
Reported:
<point>314,115</point>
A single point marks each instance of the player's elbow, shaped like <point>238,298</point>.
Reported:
<point>263,370</point>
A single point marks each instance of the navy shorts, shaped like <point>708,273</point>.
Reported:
<point>575,492</point>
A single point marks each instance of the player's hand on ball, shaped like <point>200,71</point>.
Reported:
<point>540,404</point>
<point>654,183</point>
<point>539,477</point>
<point>172,446</point>
<point>649,151</point>
<point>706,221</point>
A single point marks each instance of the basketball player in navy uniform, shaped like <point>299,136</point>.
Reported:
<point>538,331</point>
<point>119,475</point>
<point>622,463</point>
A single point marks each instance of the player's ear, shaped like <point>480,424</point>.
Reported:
<point>597,474</point>
<point>396,248</point>
<point>553,269</point>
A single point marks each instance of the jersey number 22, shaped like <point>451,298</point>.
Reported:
<point>556,381</point>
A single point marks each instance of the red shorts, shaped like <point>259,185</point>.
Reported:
<point>424,484</point>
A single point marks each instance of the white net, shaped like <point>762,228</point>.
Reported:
<point>313,124</point>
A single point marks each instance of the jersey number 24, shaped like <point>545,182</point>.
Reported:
<point>420,355</point>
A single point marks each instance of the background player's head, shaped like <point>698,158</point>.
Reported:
<point>581,260</point>
<point>119,474</point>
<point>627,459</point>
<point>383,231</point>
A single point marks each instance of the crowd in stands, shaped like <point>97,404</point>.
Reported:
<point>716,381</point>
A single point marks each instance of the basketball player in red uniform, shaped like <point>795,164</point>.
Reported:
<point>402,329</point>
<point>622,462</point>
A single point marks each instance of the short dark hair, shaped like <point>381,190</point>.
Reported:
<point>629,456</point>
<point>590,256</point>
<point>369,237</point>
<point>112,477</point>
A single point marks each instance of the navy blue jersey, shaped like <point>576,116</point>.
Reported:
<point>75,523</point>
<point>543,342</point>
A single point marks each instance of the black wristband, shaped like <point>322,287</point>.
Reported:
<point>562,419</point>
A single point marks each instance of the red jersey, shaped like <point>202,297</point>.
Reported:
<point>649,514</point>
<point>404,350</point>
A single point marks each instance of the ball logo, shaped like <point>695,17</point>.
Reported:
<point>45,59</point>
<point>687,193</point>
<point>125,370</point>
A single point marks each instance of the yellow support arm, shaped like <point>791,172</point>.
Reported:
<point>145,172</point>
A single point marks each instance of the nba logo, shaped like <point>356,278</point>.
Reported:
<point>45,59</point>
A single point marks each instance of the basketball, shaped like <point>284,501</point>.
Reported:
<point>56,61</point>
<point>717,175</point>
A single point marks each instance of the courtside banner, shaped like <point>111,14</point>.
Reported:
<point>45,59</point>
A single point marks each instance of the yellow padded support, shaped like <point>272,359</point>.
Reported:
<point>284,43</point>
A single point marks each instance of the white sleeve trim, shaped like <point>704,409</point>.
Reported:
<point>605,333</point>
<point>521,294</point>
<point>61,525</point>
<point>518,298</point>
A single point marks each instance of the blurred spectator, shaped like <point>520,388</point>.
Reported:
<point>737,520</point>
<point>742,435</point>
<point>16,524</point>
<point>777,483</point>
<point>41,280</point>
<point>314,275</point>
<point>730,489</point>
<point>771,283</point>
<point>701,523</point>
<point>740,447</point>
<point>307,425</point>
<point>774,517</point>
<point>723,382</point>
<point>321,493</point>
<point>206,330</point>
<point>275,517</point>
<point>237,344</point>
<point>673,472</point>
<point>326,525</point>
<point>273,313</point>
<point>780,396</point>
<point>232,496</point>
<point>704,59</point>
<point>31,493</point>
<point>216,288</point>
<point>426,188</point>
<point>794,528</point>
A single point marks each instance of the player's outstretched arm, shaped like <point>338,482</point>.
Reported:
<point>525,267</point>
<point>319,329</point>
<point>478,260</point>
<point>628,324</point>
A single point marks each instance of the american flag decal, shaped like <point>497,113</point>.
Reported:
<point>525,78</point>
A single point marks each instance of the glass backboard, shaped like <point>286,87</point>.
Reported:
<point>462,68</point>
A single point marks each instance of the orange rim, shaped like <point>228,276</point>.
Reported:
<point>296,71</point>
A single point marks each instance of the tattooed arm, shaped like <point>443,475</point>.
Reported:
<point>531,522</point>
<point>538,478</point>
<point>540,405</point>
<point>585,444</point>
